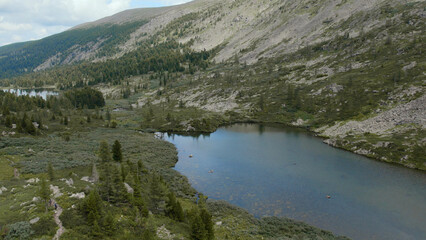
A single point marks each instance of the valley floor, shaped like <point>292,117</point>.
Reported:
<point>72,158</point>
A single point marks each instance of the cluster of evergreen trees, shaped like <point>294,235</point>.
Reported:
<point>22,124</point>
<point>85,97</point>
<point>24,57</point>
<point>149,193</point>
<point>26,113</point>
<point>169,56</point>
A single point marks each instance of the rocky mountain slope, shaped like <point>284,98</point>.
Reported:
<point>351,71</point>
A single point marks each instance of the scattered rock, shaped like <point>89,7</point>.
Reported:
<point>78,195</point>
<point>409,66</point>
<point>86,179</point>
<point>128,188</point>
<point>69,182</point>
<point>95,174</point>
<point>56,192</point>
<point>16,173</point>
<point>382,144</point>
<point>36,199</point>
<point>3,189</point>
<point>190,128</point>
<point>33,180</point>
<point>362,151</point>
<point>408,113</point>
<point>34,220</point>
<point>335,88</point>
<point>299,122</point>
<point>164,233</point>
<point>219,223</point>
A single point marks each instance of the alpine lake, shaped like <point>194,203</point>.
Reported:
<point>288,172</point>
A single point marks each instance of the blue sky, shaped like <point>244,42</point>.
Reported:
<point>25,20</point>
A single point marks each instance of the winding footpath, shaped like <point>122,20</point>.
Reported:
<point>58,222</point>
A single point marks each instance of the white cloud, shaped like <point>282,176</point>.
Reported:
<point>25,20</point>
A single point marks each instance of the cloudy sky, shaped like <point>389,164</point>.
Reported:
<point>24,20</point>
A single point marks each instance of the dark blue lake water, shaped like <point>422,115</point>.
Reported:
<point>287,172</point>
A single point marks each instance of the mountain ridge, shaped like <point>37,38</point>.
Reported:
<point>250,29</point>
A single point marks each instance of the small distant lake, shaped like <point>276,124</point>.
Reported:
<point>272,171</point>
<point>44,93</point>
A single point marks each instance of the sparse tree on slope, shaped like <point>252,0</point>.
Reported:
<point>50,171</point>
<point>104,153</point>
<point>44,192</point>
<point>116,151</point>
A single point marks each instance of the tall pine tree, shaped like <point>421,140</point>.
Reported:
<point>104,153</point>
<point>44,192</point>
<point>50,171</point>
<point>116,151</point>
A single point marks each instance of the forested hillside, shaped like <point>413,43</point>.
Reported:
<point>62,48</point>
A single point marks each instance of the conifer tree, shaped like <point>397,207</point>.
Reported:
<point>8,122</point>
<point>119,191</point>
<point>206,217</point>
<point>109,225</point>
<point>198,230</point>
<point>123,172</point>
<point>174,209</point>
<point>40,124</point>
<point>180,216</point>
<point>104,153</point>
<point>138,201</point>
<point>44,192</point>
<point>157,193</point>
<point>147,235</point>
<point>50,171</point>
<point>108,115</point>
<point>106,186</point>
<point>92,207</point>
<point>96,230</point>
<point>24,121</point>
<point>116,151</point>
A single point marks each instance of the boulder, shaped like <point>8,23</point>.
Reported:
<point>128,188</point>
<point>34,220</point>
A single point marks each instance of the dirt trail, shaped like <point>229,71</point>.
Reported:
<point>58,222</point>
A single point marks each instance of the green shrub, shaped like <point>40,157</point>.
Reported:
<point>45,226</point>
<point>19,230</point>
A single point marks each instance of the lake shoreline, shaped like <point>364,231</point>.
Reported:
<point>201,175</point>
<point>307,129</point>
<point>227,209</point>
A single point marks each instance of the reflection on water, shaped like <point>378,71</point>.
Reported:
<point>44,93</point>
<point>287,172</point>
